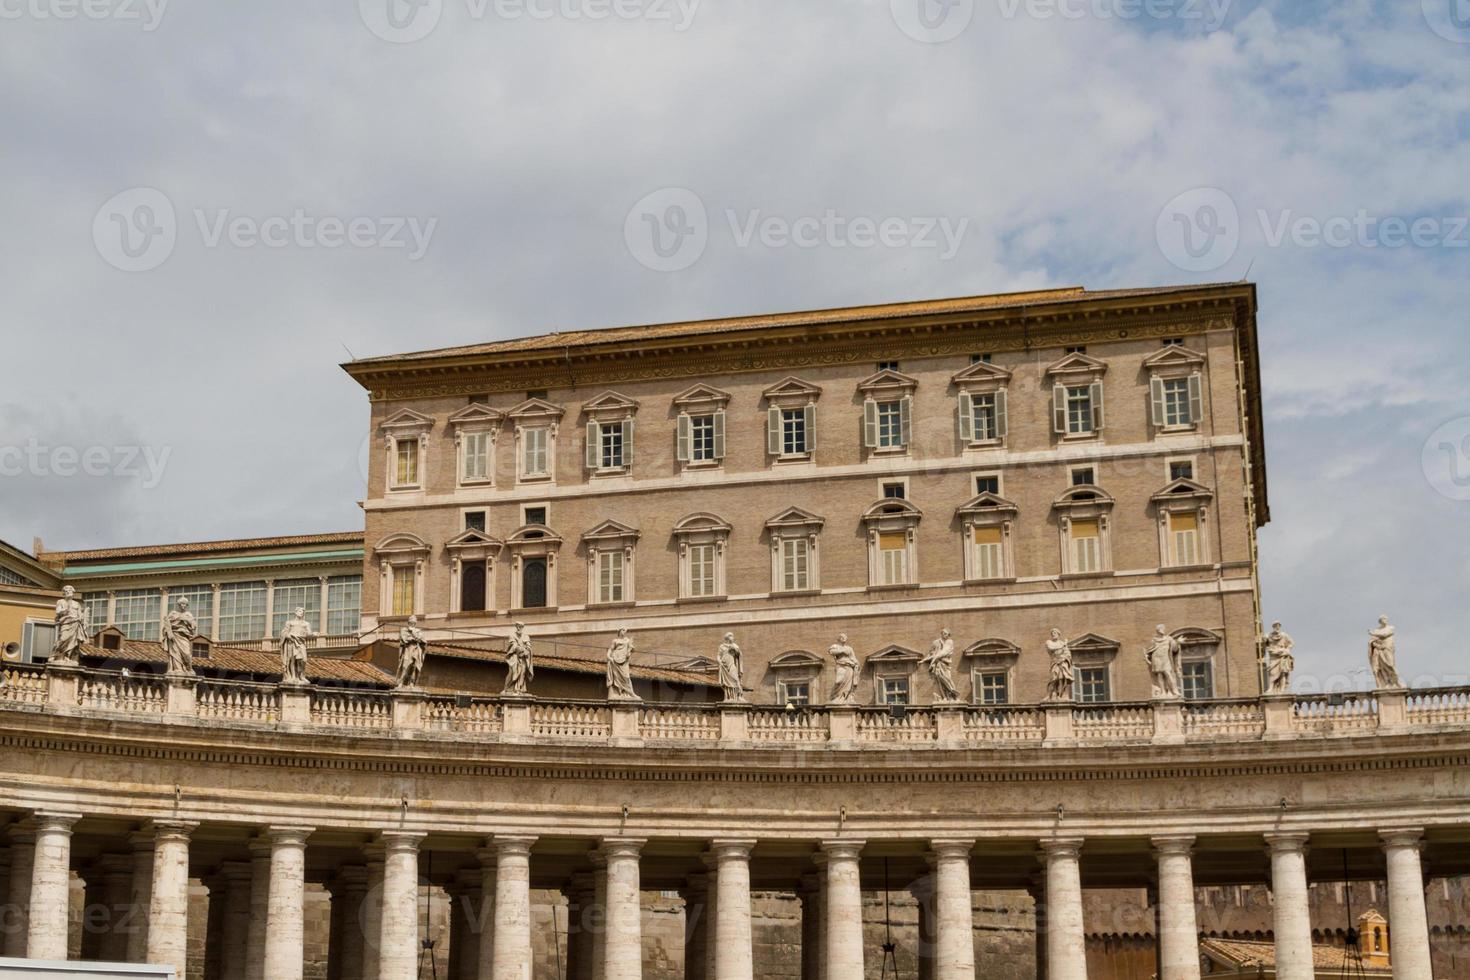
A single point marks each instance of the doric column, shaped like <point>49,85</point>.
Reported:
<point>18,892</point>
<point>464,926</point>
<point>923,895</point>
<point>1178,924</point>
<point>623,948</point>
<point>49,918</point>
<point>285,935</point>
<point>1408,920</point>
<point>1066,945</point>
<point>260,889</point>
<point>954,917</point>
<point>398,949</point>
<point>696,927</point>
<point>812,932</point>
<point>114,875</point>
<point>711,915</point>
<point>1038,902</point>
<point>485,962</point>
<point>581,899</point>
<point>1291,913</point>
<point>371,914</point>
<point>599,905</point>
<point>732,928</point>
<point>352,886</point>
<point>513,954</point>
<point>844,912</point>
<point>168,905</point>
<point>142,896</point>
<point>235,927</point>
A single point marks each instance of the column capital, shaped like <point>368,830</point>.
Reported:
<point>260,848</point>
<point>400,841</point>
<point>842,849</point>
<point>511,846</point>
<point>1181,844</point>
<point>173,830</point>
<point>1288,842</point>
<point>1061,847</point>
<point>235,871</point>
<point>1402,837</point>
<point>622,847</point>
<point>54,821</point>
<point>289,835</point>
<point>950,850</point>
<point>354,879</point>
<point>732,849</point>
<point>140,841</point>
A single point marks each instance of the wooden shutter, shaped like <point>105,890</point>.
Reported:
<point>967,417</point>
<point>628,442</point>
<point>1196,399</point>
<point>1001,421</point>
<point>773,431</point>
<point>1156,399</point>
<point>870,424</point>
<point>810,439</point>
<point>906,420</point>
<point>681,448</point>
<point>892,541</point>
<point>1059,408</point>
<point>1097,406</point>
<point>719,435</point>
<point>593,446</point>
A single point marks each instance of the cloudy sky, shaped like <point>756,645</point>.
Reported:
<point>208,206</point>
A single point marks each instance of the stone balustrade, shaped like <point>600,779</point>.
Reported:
<point>348,711</point>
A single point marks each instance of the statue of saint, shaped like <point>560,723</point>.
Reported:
<point>1163,663</point>
<point>412,648</point>
<point>940,661</point>
<point>1279,661</point>
<point>177,637</point>
<point>293,648</point>
<point>1382,650</point>
<point>619,667</point>
<point>847,670</point>
<point>519,669</point>
<point>71,627</point>
<point>730,669</point>
<point>1059,685</point>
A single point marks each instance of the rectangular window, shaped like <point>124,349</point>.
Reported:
<point>979,358</point>
<point>987,484</point>
<point>7,577</point>
<point>476,448</point>
<point>406,463</point>
<point>887,365</point>
<point>1173,341</point>
<point>890,425</point>
<point>201,603</point>
<point>403,590</point>
<point>982,414</point>
<point>893,552</point>
<point>893,690</point>
<point>796,693</point>
<point>610,576</point>
<point>137,613</point>
<point>610,452</point>
<point>1197,680</point>
<point>241,611</point>
<point>474,520</point>
<point>36,640</point>
<point>793,432</point>
<point>701,570</point>
<point>701,438</point>
<point>795,564</point>
<point>989,561</point>
<point>96,605</point>
<point>1176,402</point>
<point>1181,469</point>
<point>1076,350</point>
<point>534,456</point>
<point>303,593</point>
<point>1092,685</point>
<point>993,687</point>
<point>1084,476</point>
<point>893,491</point>
<point>1079,409</point>
<point>535,515</point>
<point>1184,538</point>
<point>344,604</point>
<point>1086,547</point>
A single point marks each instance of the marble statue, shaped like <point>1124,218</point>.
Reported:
<point>293,647</point>
<point>729,659</point>
<point>71,627</point>
<point>940,661</point>
<point>1279,661</point>
<point>1059,685</point>
<point>847,670</point>
<point>1382,650</point>
<point>1163,663</point>
<point>619,667</point>
<point>412,648</point>
<point>520,671</point>
<point>177,637</point>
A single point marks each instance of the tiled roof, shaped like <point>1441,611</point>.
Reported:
<point>852,314</point>
<point>206,547</point>
<point>1241,952</point>
<point>233,660</point>
<point>575,665</point>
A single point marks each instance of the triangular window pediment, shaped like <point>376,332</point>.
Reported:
<point>1093,643</point>
<point>1078,363</point>
<point>472,538</point>
<point>536,408</point>
<point>476,414</point>
<point>791,387</point>
<point>1173,356</point>
<point>888,380</point>
<point>987,503</point>
<point>408,420</point>
<point>1183,489</point>
<point>701,394</point>
<point>893,654</point>
<point>610,529</point>
<point>981,373</point>
<point>795,517</point>
<point>611,403</point>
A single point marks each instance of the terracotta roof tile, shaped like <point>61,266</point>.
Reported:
<point>1245,953</point>
<point>224,659</point>
<point>576,665</point>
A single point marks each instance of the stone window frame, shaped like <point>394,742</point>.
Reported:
<point>790,394</point>
<point>606,410</point>
<point>987,510</point>
<point>696,402</point>
<point>398,554</point>
<point>404,425</point>
<point>793,522</point>
<point>611,536</point>
<point>892,515</point>
<point>798,667</point>
<point>1085,502</point>
<point>981,378</point>
<point>1091,650</point>
<point>1074,371</point>
<point>1198,644</point>
<point>1183,497</point>
<point>475,419</point>
<point>467,548</point>
<point>893,662</point>
<point>533,541</point>
<point>536,413</point>
<point>885,387</point>
<point>1175,363</point>
<point>702,529</point>
<point>992,655</point>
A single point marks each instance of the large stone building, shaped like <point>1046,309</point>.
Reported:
<point>1002,465</point>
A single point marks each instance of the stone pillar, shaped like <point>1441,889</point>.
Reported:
<point>922,892</point>
<point>235,927</point>
<point>18,893</point>
<point>1038,902</point>
<point>1408,920</point>
<point>285,934</point>
<point>485,962</point>
<point>168,904</point>
<point>1066,946</point>
<point>732,927</point>
<point>371,914</point>
<point>581,898</point>
<point>599,926</point>
<point>49,919</point>
<point>1291,913</point>
<point>844,908</point>
<point>352,886</point>
<point>812,931</point>
<point>696,927</point>
<point>458,929</point>
<point>260,887</point>
<point>1178,923</point>
<point>711,915</point>
<point>513,953</point>
<point>114,873</point>
<point>954,916</point>
<point>464,945</point>
<point>142,896</point>
<point>623,947</point>
<point>398,949</point>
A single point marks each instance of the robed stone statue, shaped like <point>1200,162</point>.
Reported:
<point>519,669</point>
<point>940,661</point>
<point>177,637</point>
<point>620,667</point>
<point>1059,684</point>
<point>730,668</point>
<point>1162,656</point>
<point>412,647</point>
<point>1280,661</point>
<point>71,627</point>
<point>1383,653</point>
<point>845,657</point>
<point>294,635</point>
